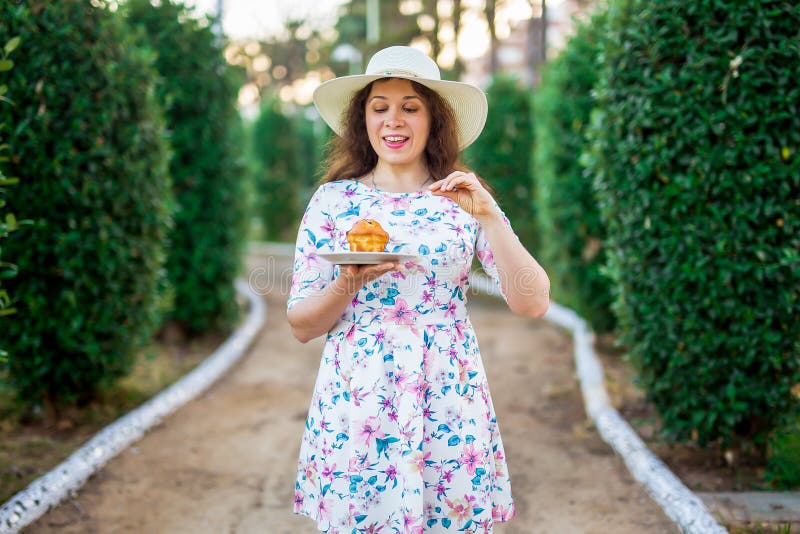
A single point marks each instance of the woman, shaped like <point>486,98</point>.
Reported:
<point>401,435</point>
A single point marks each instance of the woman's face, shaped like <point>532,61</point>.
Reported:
<point>398,121</point>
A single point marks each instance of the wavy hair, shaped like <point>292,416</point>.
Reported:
<point>351,156</point>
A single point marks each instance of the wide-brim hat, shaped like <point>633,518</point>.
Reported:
<point>467,101</point>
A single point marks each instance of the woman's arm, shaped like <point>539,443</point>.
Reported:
<point>523,281</point>
<point>315,315</point>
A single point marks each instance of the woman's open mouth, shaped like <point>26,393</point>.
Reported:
<point>395,141</point>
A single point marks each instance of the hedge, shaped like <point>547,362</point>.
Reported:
<point>501,154</point>
<point>198,90</point>
<point>696,162</point>
<point>87,142</point>
<point>571,235</point>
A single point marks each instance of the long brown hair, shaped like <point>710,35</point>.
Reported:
<point>352,156</point>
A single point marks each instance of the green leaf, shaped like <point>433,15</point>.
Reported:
<point>6,64</point>
<point>12,44</point>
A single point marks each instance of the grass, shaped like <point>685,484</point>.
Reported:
<point>30,448</point>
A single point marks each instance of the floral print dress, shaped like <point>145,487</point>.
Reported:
<point>401,435</point>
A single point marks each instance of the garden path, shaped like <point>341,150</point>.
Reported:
<point>226,461</point>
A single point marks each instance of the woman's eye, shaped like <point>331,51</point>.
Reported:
<point>379,110</point>
<point>410,110</point>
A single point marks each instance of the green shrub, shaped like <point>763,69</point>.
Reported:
<point>571,235</point>
<point>501,155</point>
<point>8,222</point>
<point>198,90</point>
<point>698,176</point>
<point>88,144</point>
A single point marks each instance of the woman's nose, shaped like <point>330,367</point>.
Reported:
<point>393,121</point>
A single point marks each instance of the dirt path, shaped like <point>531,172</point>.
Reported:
<point>225,463</point>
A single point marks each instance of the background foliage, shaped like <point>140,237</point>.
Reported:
<point>501,155</point>
<point>571,234</point>
<point>696,163</point>
<point>287,153</point>
<point>198,91</point>
<point>8,222</point>
<point>86,138</point>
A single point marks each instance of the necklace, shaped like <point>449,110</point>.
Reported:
<point>372,179</point>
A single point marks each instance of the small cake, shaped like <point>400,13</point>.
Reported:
<point>367,235</point>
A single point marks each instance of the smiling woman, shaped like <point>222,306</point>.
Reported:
<point>401,433</point>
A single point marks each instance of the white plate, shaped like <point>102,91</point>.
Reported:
<point>364,258</point>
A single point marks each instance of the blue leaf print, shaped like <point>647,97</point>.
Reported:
<point>322,242</point>
<point>346,395</point>
<point>469,438</point>
<point>325,489</point>
<point>311,237</point>
<point>446,522</point>
<point>399,213</point>
<point>431,522</point>
<point>480,471</point>
<point>441,248</point>
<point>360,518</point>
<point>443,428</point>
<point>356,478</point>
<point>388,357</point>
<point>424,250</point>
<point>372,480</point>
<point>466,526</point>
<point>383,443</point>
<point>421,212</point>
<point>453,441</point>
<point>476,511</point>
<point>354,210</point>
<point>362,342</point>
<point>370,296</point>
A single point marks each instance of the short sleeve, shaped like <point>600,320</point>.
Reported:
<point>312,274</point>
<point>483,251</point>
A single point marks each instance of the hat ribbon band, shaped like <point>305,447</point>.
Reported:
<point>399,72</point>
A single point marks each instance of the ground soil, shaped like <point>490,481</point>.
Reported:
<point>226,461</point>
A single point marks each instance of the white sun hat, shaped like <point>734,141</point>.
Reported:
<point>467,101</point>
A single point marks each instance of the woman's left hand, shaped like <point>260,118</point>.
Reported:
<point>465,189</point>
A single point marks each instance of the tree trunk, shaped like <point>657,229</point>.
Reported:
<point>491,8</point>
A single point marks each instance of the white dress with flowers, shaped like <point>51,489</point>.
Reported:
<point>401,435</point>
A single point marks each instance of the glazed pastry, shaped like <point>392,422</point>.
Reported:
<point>367,235</point>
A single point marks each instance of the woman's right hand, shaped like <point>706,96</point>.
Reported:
<point>357,276</point>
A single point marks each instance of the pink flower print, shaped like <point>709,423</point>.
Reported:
<point>441,489</point>
<point>501,513</point>
<point>485,256</point>
<point>391,472</point>
<point>470,458</point>
<point>310,470</point>
<point>399,203</point>
<point>447,476</point>
<point>328,472</point>
<point>458,329</point>
<point>412,524</point>
<point>298,500</point>
<point>400,313</point>
<point>451,310</point>
<point>350,336</point>
<point>416,461</point>
<point>460,510</point>
<point>427,296</point>
<point>324,509</point>
<point>370,429</point>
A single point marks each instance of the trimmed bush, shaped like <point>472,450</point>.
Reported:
<point>198,90</point>
<point>570,232</point>
<point>88,144</point>
<point>698,175</point>
<point>501,155</point>
<point>8,222</point>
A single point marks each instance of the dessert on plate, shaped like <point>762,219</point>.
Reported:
<point>367,235</point>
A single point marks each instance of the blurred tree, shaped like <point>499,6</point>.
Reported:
<point>501,154</point>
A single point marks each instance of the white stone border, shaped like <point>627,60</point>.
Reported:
<point>48,490</point>
<point>678,502</point>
